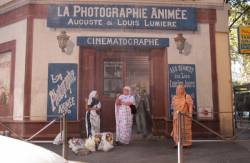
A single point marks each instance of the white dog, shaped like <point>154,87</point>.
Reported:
<point>90,144</point>
<point>76,144</point>
<point>101,141</point>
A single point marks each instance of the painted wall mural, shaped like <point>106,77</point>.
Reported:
<point>5,71</point>
<point>62,90</point>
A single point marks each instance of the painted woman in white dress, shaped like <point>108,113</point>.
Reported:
<point>92,115</point>
<point>124,117</point>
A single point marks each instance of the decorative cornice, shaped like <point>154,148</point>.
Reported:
<point>12,5</point>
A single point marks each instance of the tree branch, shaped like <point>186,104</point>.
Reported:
<point>235,20</point>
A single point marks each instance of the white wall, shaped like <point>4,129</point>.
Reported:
<point>17,31</point>
<point>46,50</point>
<point>201,57</point>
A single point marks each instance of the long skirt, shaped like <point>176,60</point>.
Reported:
<point>92,122</point>
<point>123,124</point>
<point>186,131</point>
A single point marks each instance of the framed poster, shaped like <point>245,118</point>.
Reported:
<point>182,74</point>
<point>62,90</point>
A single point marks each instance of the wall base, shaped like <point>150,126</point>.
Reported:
<point>161,127</point>
<point>26,129</point>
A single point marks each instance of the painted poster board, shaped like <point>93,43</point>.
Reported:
<point>182,74</point>
<point>62,90</point>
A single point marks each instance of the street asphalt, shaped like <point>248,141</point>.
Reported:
<point>162,151</point>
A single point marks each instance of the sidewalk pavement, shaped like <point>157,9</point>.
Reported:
<point>162,151</point>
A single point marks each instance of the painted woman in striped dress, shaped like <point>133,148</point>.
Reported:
<point>124,117</point>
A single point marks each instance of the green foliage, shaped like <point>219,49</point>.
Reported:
<point>239,15</point>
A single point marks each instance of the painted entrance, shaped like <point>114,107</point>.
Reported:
<point>109,69</point>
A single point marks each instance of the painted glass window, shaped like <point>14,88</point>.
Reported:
<point>112,77</point>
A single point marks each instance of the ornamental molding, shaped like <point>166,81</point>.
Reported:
<point>13,4</point>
